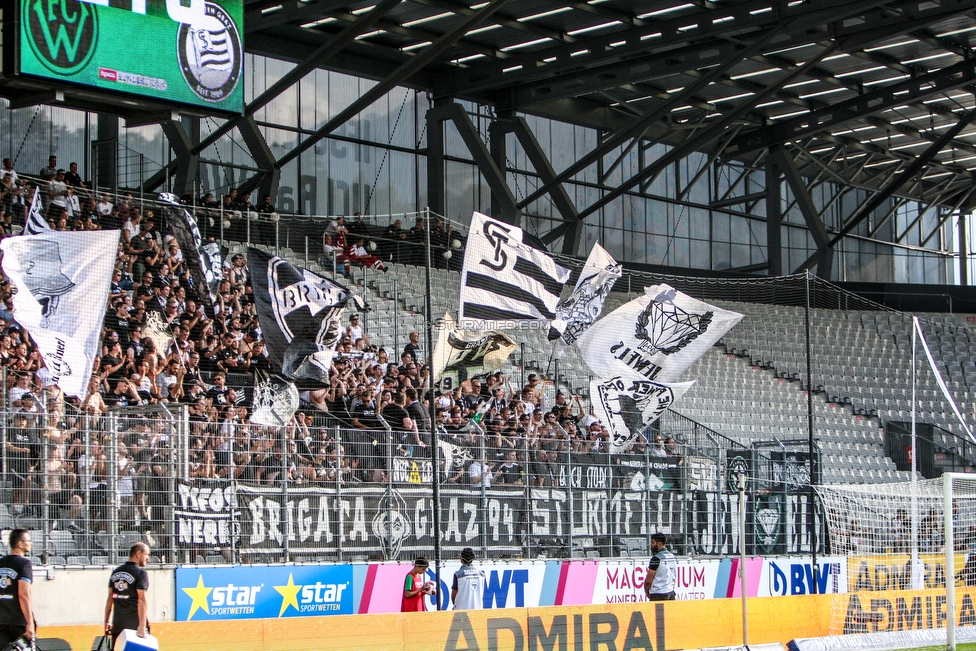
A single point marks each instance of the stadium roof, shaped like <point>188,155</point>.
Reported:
<point>872,94</point>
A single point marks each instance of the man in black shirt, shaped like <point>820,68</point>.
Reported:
<point>421,417</point>
<point>404,429</point>
<point>16,576</point>
<point>127,595</point>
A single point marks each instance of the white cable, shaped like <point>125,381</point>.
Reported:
<point>938,378</point>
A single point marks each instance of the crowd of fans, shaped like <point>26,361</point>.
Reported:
<point>499,433</point>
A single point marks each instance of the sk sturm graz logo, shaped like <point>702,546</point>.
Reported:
<point>737,466</point>
<point>391,525</point>
<point>210,53</point>
<point>62,33</point>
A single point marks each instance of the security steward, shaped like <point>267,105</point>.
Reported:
<point>16,576</point>
<point>661,572</point>
<point>126,607</point>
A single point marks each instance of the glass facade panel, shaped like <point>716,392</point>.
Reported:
<point>375,163</point>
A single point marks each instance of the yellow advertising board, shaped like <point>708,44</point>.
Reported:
<point>649,626</point>
<point>893,571</point>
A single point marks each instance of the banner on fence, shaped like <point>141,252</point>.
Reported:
<point>589,507</point>
<point>204,515</point>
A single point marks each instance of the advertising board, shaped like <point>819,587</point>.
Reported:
<point>258,592</point>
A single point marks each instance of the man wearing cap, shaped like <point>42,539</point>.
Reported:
<point>468,589</point>
<point>415,588</point>
<point>661,572</point>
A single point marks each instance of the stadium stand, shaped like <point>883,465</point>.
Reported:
<point>750,388</point>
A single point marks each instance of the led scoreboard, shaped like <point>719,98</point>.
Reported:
<point>189,52</point>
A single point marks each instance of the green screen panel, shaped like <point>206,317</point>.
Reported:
<point>164,49</point>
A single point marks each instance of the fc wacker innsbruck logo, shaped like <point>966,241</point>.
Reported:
<point>61,33</point>
<point>210,54</point>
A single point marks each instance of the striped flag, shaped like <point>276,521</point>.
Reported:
<point>35,220</point>
<point>203,259</point>
<point>504,280</point>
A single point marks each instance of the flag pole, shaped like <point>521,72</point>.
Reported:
<point>435,448</point>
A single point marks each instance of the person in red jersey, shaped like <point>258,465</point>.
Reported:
<point>415,588</point>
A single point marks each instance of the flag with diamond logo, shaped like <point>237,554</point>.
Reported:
<point>657,335</point>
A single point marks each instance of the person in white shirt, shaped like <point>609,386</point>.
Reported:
<point>57,194</point>
<point>355,331</point>
<point>482,473</point>
<point>104,206</point>
<point>8,168</point>
<point>468,587</point>
<point>358,253</point>
<point>332,255</point>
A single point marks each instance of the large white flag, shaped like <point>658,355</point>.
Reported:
<point>580,309</point>
<point>658,335</point>
<point>628,403</point>
<point>504,280</point>
<point>62,281</point>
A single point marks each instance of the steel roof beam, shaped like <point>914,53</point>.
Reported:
<point>835,115</point>
<point>639,126</point>
<point>255,20</point>
<point>803,18</point>
<point>319,57</point>
<point>405,70</point>
<point>709,133</point>
<point>896,182</point>
<point>504,20</point>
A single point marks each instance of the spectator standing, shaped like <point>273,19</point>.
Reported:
<point>73,179</point>
<point>16,610</point>
<point>657,450</point>
<point>413,345</point>
<point>126,606</point>
<point>415,588</point>
<point>8,168</point>
<point>355,331</point>
<point>57,194</point>
<point>50,169</point>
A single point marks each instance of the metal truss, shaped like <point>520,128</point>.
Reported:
<point>838,93</point>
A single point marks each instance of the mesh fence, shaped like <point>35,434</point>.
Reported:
<point>902,570</point>
<point>216,492</point>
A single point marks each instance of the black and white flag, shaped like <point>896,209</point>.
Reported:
<point>455,457</point>
<point>275,400</point>
<point>36,223</point>
<point>62,281</point>
<point>628,403</point>
<point>300,314</point>
<point>657,335</point>
<point>505,281</point>
<point>460,354</point>
<point>580,309</point>
<point>203,259</point>
<point>159,331</point>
